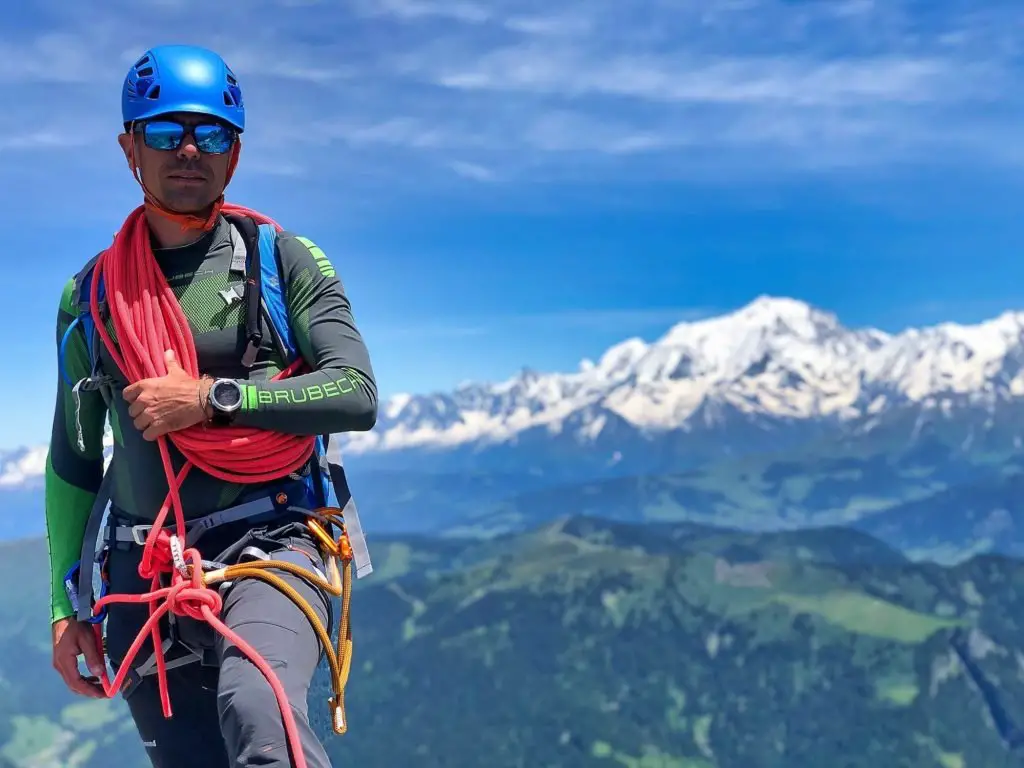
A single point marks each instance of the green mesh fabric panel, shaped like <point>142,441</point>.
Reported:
<point>201,301</point>
<point>300,298</point>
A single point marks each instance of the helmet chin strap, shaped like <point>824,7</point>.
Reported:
<point>186,221</point>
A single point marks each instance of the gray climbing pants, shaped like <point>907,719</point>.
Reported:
<point>225,714</point>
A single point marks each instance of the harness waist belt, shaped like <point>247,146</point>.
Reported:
<point>136,534</point>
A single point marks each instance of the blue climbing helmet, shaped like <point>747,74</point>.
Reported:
<point>181,78</point>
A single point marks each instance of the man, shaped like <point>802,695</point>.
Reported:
<point>183,114</point>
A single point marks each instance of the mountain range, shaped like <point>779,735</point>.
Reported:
<point>773,374</point>
<point>772,416</point>
<point>773,367</point>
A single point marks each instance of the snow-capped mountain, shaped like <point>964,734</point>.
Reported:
<point>22,468</point>
<point>773,361</point>
<point>772,374</point>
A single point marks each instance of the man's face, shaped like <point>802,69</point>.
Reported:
<point>185,179</point>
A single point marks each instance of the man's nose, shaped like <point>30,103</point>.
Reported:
<point>188,150</point>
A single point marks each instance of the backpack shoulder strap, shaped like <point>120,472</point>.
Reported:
<point>274,301</point>
<point>80,297</point>
<point>83,283</point>
<point>264,286</point>
<point>327,481</point>
<point>252,296</point>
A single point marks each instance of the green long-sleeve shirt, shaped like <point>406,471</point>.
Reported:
<point>339,395</point>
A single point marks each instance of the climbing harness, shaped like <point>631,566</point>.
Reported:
<point>123,285</point>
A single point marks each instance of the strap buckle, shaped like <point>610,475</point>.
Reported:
<point>92,383</point>
<point>139,533</point>
<point>251,351</point>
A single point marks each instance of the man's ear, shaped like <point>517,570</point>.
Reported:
<point>236,151</point>
<point>125,140</point>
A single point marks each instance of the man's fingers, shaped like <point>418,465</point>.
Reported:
<point>66,662</point>
<point>171,361</point>
<point>142,421</point>
<point>93,657</point>
<point>155,430</point>
<point>94,687</point>
<point>88,687</point>
<point>136,408</point>
<point>132,391</point>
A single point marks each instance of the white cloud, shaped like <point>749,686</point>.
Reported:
<point>472,171</point>
<point>567,24</point>
<point>399,131</point>
<point>51,57</point>
<point>672,78</point>
<point>43,140</point>
<point>16,469</point>
<point>519,90</point>
<point>416,9</point>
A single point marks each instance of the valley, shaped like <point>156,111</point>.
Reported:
<point>585,642</point>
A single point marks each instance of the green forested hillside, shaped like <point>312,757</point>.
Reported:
<point>586,643</point>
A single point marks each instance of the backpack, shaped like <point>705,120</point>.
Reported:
<point>257,257</point>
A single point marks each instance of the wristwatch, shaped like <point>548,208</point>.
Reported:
<point>225,399</point>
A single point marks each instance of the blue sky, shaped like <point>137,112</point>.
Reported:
<point>522,183</point>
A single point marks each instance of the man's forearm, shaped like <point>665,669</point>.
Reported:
<point>340,394</point>
<point>324,401</point>
<point>73,478</point>
<point>74,463</point>
<point>67,512</point>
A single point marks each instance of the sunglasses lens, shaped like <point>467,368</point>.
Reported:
<point>213,139</point>
<point>163,135</point>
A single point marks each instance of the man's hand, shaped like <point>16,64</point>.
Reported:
<point>167,403</point>
<point>72,638</point>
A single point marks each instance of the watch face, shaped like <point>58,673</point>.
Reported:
<point>226,394</point>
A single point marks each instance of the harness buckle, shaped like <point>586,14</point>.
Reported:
<point>94,382</point>
<point>251,352</point>
<point>139,533</point>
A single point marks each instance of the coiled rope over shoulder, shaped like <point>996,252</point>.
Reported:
<point>147,320</point>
